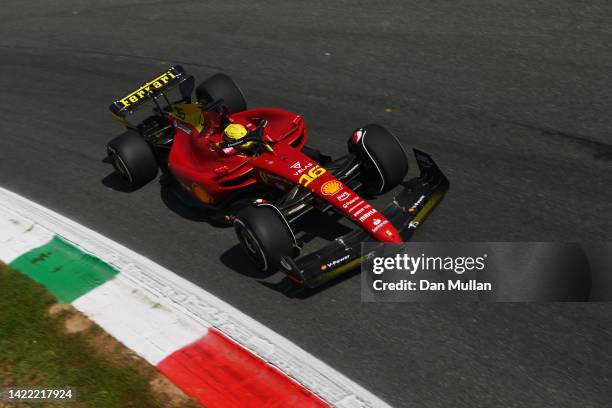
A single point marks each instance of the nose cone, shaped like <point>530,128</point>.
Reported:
<point>384,231</point>
<point>389,234</point>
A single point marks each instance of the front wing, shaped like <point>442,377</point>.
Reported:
<point>408,210</point>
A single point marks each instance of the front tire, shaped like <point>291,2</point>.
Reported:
<point>265,236</point>
<point>384,161</point>
<point>133,159</point>
<point>221,86</point>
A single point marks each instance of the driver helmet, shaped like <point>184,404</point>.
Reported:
<point>234,132</point>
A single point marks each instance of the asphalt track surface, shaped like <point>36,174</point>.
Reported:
<point>512,98</point>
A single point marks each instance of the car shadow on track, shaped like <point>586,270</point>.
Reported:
<point>312,226</point>
<point>115,182</point>
<point>178,207</point>
<point>293,290</point>
<point>314,229</point>
<point>237,260</point>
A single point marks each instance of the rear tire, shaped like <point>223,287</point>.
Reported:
<point>221,86</point>
<point>384,161</point>
<point>133,159</point>
<point>265,236</point>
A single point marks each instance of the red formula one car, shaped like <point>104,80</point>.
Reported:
<point>252,166</point>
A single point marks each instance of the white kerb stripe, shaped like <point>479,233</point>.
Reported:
<point>151,329</point>
<point>19,235</point>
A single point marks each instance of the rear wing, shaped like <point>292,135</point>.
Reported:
<point>153,90</point>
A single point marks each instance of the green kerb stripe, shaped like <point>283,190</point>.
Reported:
<point>65,270</point>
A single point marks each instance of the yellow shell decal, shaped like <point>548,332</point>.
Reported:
<point>331,187</point>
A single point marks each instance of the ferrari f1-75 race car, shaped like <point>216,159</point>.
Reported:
<point>253,166</point>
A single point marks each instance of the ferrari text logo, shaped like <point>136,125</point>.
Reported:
<point>144,90</point>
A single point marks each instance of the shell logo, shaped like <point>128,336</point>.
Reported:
<point>202,194</point>
<point>331,187</point>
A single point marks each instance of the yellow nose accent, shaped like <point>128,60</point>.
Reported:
<point>235,131</point>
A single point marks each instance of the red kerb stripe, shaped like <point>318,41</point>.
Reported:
<point>218,372</point>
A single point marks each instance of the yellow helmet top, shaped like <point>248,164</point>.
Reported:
<point>235,131</point>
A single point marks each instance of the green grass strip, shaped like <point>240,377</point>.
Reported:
<point>36,351</point>
<point>65,270</point>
